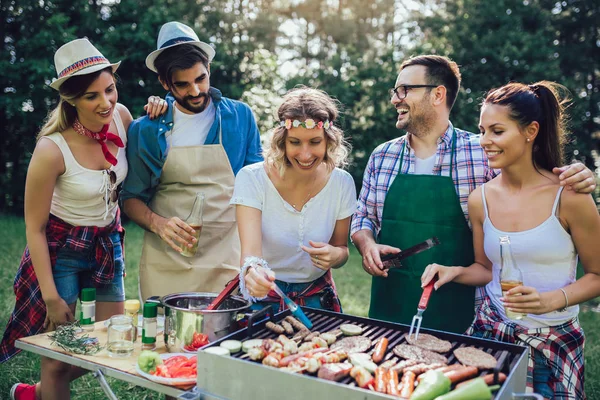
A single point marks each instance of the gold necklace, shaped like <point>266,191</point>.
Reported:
<point>307,196</point>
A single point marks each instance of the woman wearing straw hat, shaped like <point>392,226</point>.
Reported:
<point>74,234</point>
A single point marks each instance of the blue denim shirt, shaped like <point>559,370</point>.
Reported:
<point>147,143</point>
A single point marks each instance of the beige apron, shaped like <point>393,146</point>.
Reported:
<point>188,170</point>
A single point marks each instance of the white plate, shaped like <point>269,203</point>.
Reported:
<point>160,324</point>
<point>168,381</point>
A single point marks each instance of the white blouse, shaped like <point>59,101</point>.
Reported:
<point>285,229</point>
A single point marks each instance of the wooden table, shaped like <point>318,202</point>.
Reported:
<point>104,365</point>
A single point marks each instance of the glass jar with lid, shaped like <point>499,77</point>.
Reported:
<point>120,336</point>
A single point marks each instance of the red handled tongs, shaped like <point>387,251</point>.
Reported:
<point>231,286</point>
<point>418,318</point>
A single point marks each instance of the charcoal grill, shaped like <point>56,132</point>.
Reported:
<point>237,377</point>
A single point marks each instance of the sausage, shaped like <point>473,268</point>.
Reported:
<point>392,383</point>
<point>443,369</point>
<point>421,368</point>
<point>311,336</point>
<point>407,385</point>
<point>273,327</point>
<point>301,334</point>
<point>380,350</point>
<point>488,379</point>
<point>288,328</point>
<point>380,380</point>
<point>461,374</point>
<point>295,323</point>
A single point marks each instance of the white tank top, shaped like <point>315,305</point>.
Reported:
<point>545,254</point>
<point>80,193</point>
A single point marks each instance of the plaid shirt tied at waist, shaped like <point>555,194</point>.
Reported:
<point>317,287</point>
<point>561,346</point>
<point>28,316</point>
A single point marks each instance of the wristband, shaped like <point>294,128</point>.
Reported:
<point>251,261</point>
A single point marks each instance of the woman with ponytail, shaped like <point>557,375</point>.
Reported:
<point>73,226</point>
<point>549,227</point>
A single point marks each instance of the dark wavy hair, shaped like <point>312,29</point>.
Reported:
<point>176,58</point>
<point>544,102</point>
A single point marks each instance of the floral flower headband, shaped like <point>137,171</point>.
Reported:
<point>309,123</point>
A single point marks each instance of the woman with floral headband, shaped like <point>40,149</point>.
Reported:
<point>74,233</point>
<point>293,210</point>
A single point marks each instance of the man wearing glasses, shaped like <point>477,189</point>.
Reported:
<point>417,186</point>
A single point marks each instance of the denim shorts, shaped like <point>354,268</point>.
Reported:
<point>73,272</point>
<point>311,301</point>
<point>541,376</point>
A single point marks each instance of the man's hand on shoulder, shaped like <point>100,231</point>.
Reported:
<point>576,177</point>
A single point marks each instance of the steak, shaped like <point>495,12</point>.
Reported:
<point>430,342</point>
<point>352,344</point>
<point>471,356</point>
<point>416,353</point>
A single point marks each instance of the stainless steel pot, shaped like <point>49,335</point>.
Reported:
<point>186,314</point>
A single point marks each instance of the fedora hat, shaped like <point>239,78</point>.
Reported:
<point>173,34</point>
<point>78,57</point>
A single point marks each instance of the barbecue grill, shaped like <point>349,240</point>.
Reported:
<point>238,377</point>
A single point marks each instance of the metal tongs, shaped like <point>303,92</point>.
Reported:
<point>418,317</point>
<point>393,260</point>
<point>231,286</point>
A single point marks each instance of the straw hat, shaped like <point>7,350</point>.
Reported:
<point>78,57</point>
<point>173,34</point>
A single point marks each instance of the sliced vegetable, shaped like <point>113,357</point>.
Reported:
<point>476,389</point>
<point>362,360</point>
<point>232,345</point>
<point>434,384</point>
<point>218,350</point>
<point>351,329</point>
<point>249,344</point>
<point>149,360</point>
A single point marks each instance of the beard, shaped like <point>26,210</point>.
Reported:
<point>186,102</point>
<point>420,120</point>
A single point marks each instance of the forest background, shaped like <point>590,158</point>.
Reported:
<point>350,48</point>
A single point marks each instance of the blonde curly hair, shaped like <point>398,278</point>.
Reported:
<point>302,103</point>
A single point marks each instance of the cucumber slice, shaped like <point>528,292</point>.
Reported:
<point>220,351</point>
<point>232,345</point>
<point>351,329</point>
<point>249,344</point>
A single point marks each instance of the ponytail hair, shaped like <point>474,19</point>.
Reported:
<point>544,102</point>
<point>64,114</point>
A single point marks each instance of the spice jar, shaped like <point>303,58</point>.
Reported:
<point>87,315</point>
<point>149,326</point>
<point>120,336</point>
<point>131,310</point>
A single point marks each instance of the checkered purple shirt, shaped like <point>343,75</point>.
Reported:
<point>470,169</point>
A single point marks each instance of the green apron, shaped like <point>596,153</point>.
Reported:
<point>416,208</point>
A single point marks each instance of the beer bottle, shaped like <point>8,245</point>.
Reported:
<point>510,274</point>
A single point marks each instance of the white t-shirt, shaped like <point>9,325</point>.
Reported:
<point>190,129</point>
<point>284,229</point>
<point>424,166</point>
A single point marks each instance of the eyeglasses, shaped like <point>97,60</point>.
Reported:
<point>112,190</point>
<point>404,89</point>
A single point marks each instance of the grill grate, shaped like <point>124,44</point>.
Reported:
<point>509,356</point>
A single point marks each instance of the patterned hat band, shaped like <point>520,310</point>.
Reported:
<point>82,64</point>
<point>308,123</point>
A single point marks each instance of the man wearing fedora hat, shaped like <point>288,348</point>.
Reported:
<point>198,145</point>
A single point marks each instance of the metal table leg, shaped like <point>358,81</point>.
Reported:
<point>104,385</point>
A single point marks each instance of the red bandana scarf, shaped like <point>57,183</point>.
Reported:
<point>101,137</point>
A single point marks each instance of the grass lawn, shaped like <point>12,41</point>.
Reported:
<point>352,283</point>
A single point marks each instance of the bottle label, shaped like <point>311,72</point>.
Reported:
<point>87,315</point>
<point>149,332</point>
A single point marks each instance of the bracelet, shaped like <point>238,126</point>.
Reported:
<point>566,301</point>
<point>251,261</point>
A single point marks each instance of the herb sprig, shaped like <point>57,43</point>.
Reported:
<point>66,337</point>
